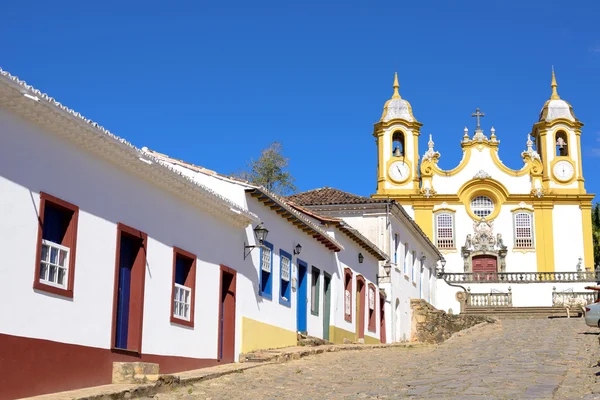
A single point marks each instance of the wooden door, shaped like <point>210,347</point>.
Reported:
<point>360,307</point>
<point>326,305</point>
<point>130,273</point>
<point>227,315</point>
<point>484,267</point>
<point>382,333</point>
<point>301,298</point>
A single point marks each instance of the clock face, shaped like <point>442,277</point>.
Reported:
<point>399,171</point>
<point>563,170</point>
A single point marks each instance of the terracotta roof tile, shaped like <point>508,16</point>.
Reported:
<point>330,196</point>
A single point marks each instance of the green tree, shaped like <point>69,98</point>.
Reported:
<point>269,171</point>
<point>596,233</point>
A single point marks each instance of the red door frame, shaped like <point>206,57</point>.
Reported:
<point>361,308</point>
<point>136,305</point>
<point>382,337</point>
<point>232,289</point>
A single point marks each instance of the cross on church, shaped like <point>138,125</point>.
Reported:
<point>478,115</point>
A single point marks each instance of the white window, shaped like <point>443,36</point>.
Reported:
<point>347,303</point>
<point>445,230</point>
<point>285,269</point>
<point>266,259</point>
<point>523,230</point>
<point>482,206</point>
<point>183,296</point>
<point>371,298</point>
<point>406,259</point>
<point>54,264</point>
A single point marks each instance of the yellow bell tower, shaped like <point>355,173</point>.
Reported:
<point>557,137</point>
<point>397,137</point>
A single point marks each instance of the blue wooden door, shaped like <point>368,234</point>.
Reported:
<point>126,260</point>
<point>301,298</point>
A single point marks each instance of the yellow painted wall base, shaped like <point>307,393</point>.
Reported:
<point>258,335</point>
<point>337,336</point>
<point>371,340</point>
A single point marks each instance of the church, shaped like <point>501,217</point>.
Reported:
<point>509,237</point>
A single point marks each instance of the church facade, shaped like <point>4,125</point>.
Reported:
<point>524,235</point>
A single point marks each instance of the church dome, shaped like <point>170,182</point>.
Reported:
<point>556,107</point>
<point>397,107</point>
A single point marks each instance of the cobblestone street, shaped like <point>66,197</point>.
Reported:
<point>514,359</point>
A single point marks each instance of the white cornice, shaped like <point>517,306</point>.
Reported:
<point>33,105</point>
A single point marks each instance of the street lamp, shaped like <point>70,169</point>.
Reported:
<point>260,233</point>
<point>361,258</point>
<point>442,271</point>
<point>297,249</point>
<point>387,268</point>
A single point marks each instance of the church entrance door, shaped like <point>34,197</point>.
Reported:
<point>484,267</point>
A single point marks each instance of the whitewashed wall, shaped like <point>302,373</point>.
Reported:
<point>32,161</point>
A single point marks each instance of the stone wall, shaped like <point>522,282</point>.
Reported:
<point>430,325</point>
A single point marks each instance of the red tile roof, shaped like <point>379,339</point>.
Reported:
<point>330,196</point>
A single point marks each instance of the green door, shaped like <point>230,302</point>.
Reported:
<point>326,304</point>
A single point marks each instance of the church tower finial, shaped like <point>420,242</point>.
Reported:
<point>396,95</point>
<point>554,85</point>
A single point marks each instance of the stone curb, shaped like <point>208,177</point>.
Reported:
<point>168,381</point>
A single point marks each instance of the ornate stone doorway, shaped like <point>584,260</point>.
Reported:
<point>483,252</point>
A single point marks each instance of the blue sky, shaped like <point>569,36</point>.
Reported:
<point>215,82</point>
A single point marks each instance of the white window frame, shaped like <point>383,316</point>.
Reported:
<point>286,268</point>
<point>46,265</point>
<point>451,245</point>
<point>531,230</point>
<point>414,266</point>
<point>479,204</point>
<point>178,301</point>
<point>266,262</point>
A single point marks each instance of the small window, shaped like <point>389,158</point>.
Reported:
<point>523,230</point>
<point>348,295</point>
<point>314,291</point>
<point>398,144</point>
<point>266,267</point>
<point>406,252</point>
<point>285,266</point>
<point>444,230</point>
<point>372,308</point>
<point>562,148</point>
<point>184,287</point>
<point>57,239</point>
<point>482,206</point>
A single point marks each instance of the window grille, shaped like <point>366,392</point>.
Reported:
<point>183,296</point>
<point>482,206</point>
<point>54,264</point>
<point>285,269</point>
<point>347,302</point>
<point>445,231</point>
<point>371,298</point>
<point>523,230</point>
<point>266,259</point>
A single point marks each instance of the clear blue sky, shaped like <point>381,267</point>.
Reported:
<point>215,82</point>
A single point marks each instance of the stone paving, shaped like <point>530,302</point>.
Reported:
<point>513,359</point>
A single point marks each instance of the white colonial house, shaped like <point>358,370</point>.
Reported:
<point>313,276</point>
<point>512,238</point>
<point>409,272</point>
<point>108,254</point>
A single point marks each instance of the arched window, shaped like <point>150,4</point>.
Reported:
<point>398,144</point>
<point>482,206</point>
<point>444,232</point>
<point>562,148</point>
<point>523,230</point>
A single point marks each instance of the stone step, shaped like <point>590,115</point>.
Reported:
<point>521,312</point>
